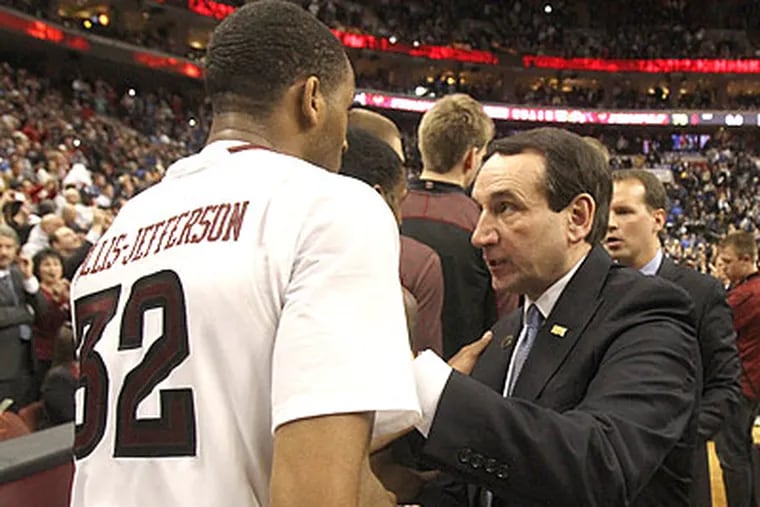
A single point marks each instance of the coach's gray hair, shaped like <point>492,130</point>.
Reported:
<point>8,232</point>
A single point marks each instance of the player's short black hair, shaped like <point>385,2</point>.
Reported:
<point>371,160</point>
<point>262,49</point>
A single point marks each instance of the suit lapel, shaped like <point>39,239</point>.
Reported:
<point>563,327</point>
<point>668,270</point>
<point>491,368</point>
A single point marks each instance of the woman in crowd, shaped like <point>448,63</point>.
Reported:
<point>48,268</point>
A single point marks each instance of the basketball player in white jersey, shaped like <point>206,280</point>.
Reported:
<point>241,322</point>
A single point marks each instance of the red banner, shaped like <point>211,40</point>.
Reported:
<point>43,31</point>
<point>219,10</point>
<point>656,66</point>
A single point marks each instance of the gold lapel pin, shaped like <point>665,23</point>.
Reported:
<point>507,341</point>
<point>558,330</point>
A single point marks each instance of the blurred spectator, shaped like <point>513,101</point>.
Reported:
<point>60,383</point>
<point>48,268</point>
<point>39,236</point>
<point>20,302</point>
<point>644,29</point>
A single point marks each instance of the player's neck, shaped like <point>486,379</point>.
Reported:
<point>228,127</point>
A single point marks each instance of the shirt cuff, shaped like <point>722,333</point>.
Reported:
<point>431,374</point>
<point>31,285</point>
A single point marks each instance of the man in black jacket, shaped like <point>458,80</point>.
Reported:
<point>19,290</point>
<point>637,216</point>
<point>588,394</point>
<point>437,211</point>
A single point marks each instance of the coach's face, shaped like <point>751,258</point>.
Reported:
<point>525,244</point>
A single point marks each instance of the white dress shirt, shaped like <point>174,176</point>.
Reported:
<point>31,285</point>
<point>651,267</point>
<point>431,372</point>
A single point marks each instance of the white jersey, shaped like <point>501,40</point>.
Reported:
<point>246,290</point>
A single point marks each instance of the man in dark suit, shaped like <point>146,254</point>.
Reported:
<point>637,216</point>
<point>18,288</point>
<point>585,396</point>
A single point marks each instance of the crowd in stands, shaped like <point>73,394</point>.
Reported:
<point>520,27</point>
<point>573,29</point>
<point>593,28</point>
<point>712,189</point>
<point>560,92</point>
<point>73,150</point>
<point>110,144</point>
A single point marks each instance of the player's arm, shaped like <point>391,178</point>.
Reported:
<point>325,461</point>
<point>341,348</point>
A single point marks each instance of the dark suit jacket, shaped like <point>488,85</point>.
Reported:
<point>15,359</point>
<point>603,413</point>
<point>717,344</point>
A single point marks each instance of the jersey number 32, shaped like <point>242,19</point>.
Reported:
<point>171,434</point>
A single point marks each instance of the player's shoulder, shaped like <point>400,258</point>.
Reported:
<point>302,174</point>
<point>328,188</point>
<point>347,200</point>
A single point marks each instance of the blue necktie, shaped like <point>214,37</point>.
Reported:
<point>533,321</point>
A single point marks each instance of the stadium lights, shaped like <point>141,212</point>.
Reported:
<point>100,19</point>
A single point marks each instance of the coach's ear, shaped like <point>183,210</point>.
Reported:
<point>312,101</point>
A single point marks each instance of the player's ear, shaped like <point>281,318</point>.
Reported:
<point>311,101</point>
<point>379,190</point>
